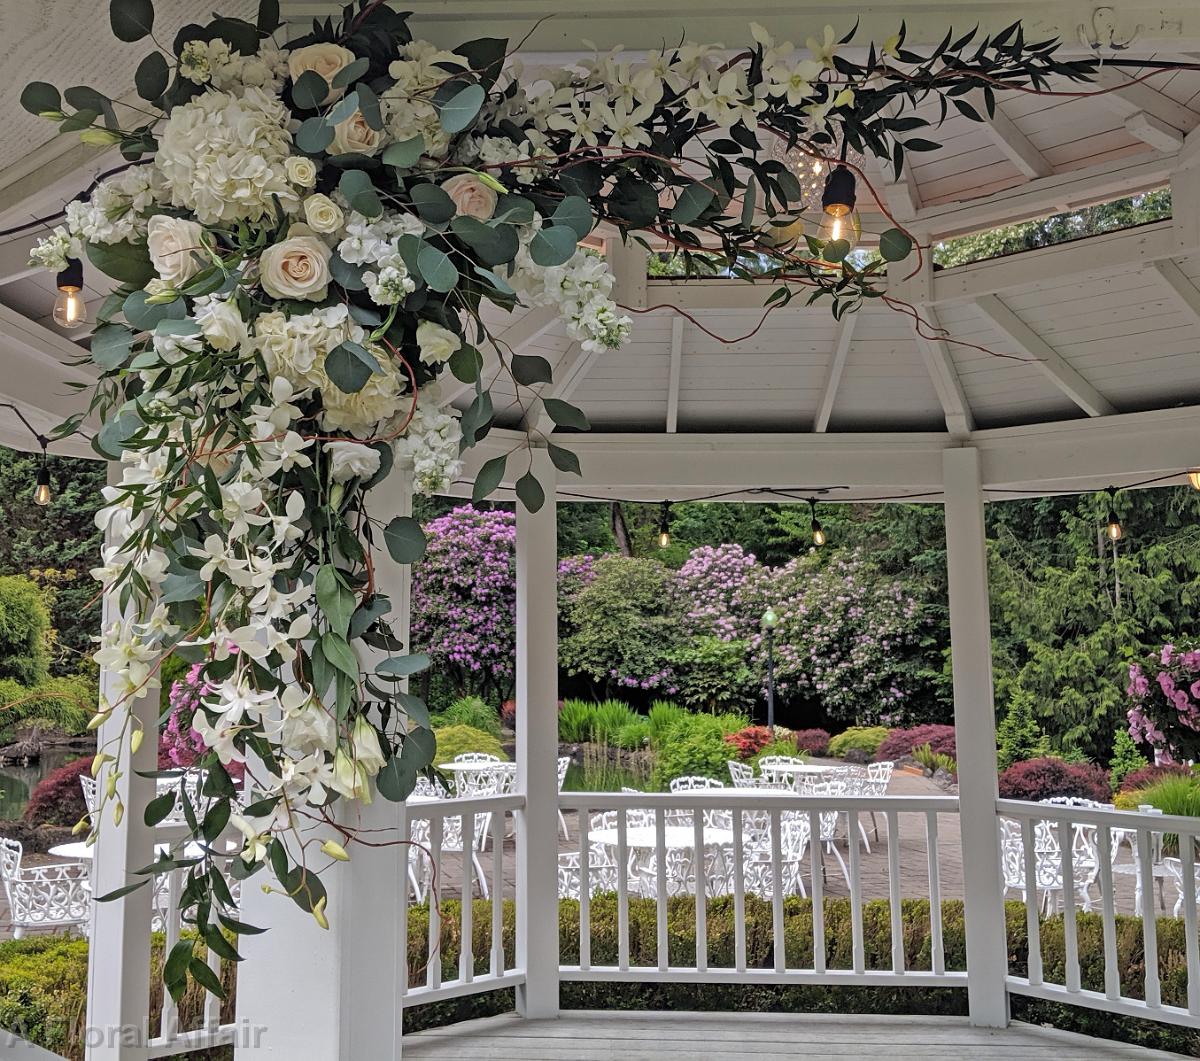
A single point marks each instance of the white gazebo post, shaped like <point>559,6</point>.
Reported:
<point>975,735</point>
<point>118,1001</point>
<point>537,749</point>
<point>308,992</point>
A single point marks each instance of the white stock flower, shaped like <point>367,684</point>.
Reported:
<point>297,267</point>
<point>351,460</point>
<point>390,284</point>
<point>323,214</point>
<point>116,211</point>
<point>52,251</point>
<point>223,157</point>
<point>436,343</point>
<point>431,444</point>
<point>176,248</point>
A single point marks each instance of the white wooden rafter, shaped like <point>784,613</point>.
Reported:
<point>1140,100</point>
<point>673,373</point>
<point>1183,292</point>
<point>842,340</point>
<point>572,370</point>
<point>935,353</point>
<point>1046,358</point>
<point>1015,144</point>
<point>513,339</point>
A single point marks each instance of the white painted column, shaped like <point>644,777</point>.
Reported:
<point>316,993</point>
<point>118,1002</point>
<point>975,726</point>
<point>537,750</point>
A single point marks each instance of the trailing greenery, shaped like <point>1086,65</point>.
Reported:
<point>65,704</point>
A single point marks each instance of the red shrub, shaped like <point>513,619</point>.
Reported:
<point>58,798</point>
<point>508,713</point>
<point>812,741</point>
<point>748,742</point>
<point>1147,775</point>
<point>901,742</point>
<point>1037,779</point>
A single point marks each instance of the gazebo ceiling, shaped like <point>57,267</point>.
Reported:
<point>1101,326</point>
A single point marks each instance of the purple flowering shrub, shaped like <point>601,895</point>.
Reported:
<point>812,741</point>
<point>1165,711</point>
<point>464,599</point>
<point>725,590</point>
<point>178,743</point>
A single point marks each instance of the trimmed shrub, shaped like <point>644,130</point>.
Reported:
<point>24,631</point>
<point>1171,795</point>
<point>1147,775</point>
<point>1018,736</point>
<point>1037,779</point>
<point>695,746</point>
<point>747,743</point>
<point>812,741</point>
<point>864,740</point>
<point>58,798</point>
<point>65,704</point>
<point>1125,758</point>
<point>455,740</point>
<point>471,711</point>
<point>901,742</point>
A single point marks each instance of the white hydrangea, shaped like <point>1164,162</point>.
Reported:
<point>407,106</point>
<point>52,251</point>
<point>432,444</point>
<point>224,157</point>
<point>500,150</point>
<point>374,242</point>
<point>117,210</point>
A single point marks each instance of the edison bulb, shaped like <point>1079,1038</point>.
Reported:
<point>664,539</point>
<point>1113,530</point>
<point>70,309</point>
<point>41,492</point>
<point>818,534</point>
<point>846,227</point>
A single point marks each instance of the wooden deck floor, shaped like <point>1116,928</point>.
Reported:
<point>586,1036</point>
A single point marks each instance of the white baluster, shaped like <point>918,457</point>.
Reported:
<point>466,956</point>
<point>1187,858</point>
<point>660,890</point>
<point>1149,920</point>
<point>817,850</point>
<point>856,914</point>
<point>622,889</point>
<point>938,952</point>
<point>433,971</point>
<point>1108,914</point>
<point>498,829</point>
<point>777,892</point>
<point>1033,923</point>
<point>894,898</point>
<point>701,891</point>
<point>585,894</point>
<point>1066,845</point>
<point>739,895</point>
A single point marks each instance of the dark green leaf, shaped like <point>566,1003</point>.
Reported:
<point>895,245</point>
<point>122,261</point>
<point>576,214</point>
<point>40,98</point>
<point>349,276</point>
<point>152,76</point>
<point>338,653</point>
<point>692,202</point>
<point>432,203</point>
<point>356,186</point>
<point>485,56</point>
<point>466,363</point>
<point>489,477</point>
<point>530,492</point>
<point>405,540</point>
<point>146,318</point>
<point>553,246</point>
<point>835,250</point>
<point>396,780</point>
<point>268,16</point>
<point>314,135</point>
<point>460,110</point>
<point>404,154</point>
<point>205,977</point>
<point>309,90</point>
<point>131,19</point>
<point>528,369</point>
<point>159,807</point>
<point>436,269</point>
<point>368,106</point>
<point>175,970</point>
<point>564,414</point>
<point>563,459</point>
<point>495,244</point>
<point>349,366</point>
<point>333,598</point>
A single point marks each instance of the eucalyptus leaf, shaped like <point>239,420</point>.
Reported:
<point>432,203</point>
<point>466,363</point>
<point>131,20</point>
<point>314,135</point>
<point>403,666</point>
<point>309,90</point>
<point>489,477</point>
<point>404,154</point>
<point>564,414</point>
<point>576,214</point>
<point>530,492</point>
<point>895,245</point>
<point>460,110</point>
<point>152,76</point>
<point>691,203</point>
<point>110,345</point>
<point>405,540</point>
<point>126,262</point>
<point>436,269</point>
<point>553,246</point>
<point>40,98</point>
<point>351,73</point>
<point>564,460</point>
<point>349,365</point>
<point>356,186</point>
<point>528,369</point>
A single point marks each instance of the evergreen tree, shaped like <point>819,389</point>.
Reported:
<point>1018,736</point>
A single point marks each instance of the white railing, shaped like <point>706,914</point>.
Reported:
<point>1085,875</point>
<point>754,842</point>
<point>457,848</point>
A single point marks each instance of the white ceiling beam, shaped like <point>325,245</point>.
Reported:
<point>1153,131</point>
<point>1183,291</point>
<point>520,333</point>
<point>842,340</point>
<point>1127,97</point>
<point>1051,363</point>
<point>944,375</point>
<point>673,372</point>
<point>1015,144</point>
<point>14,259</point>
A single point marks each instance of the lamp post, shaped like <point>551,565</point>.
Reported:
<point>769,621</point>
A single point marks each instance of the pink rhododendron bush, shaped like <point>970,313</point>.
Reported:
<point>1165,703</point>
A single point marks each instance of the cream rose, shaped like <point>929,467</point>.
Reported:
<point>301,170</point>
<point>471,197</point>
<point>436,343</point>
<point>298,267</point>
<point>174,244</point>
<point>355,136</point>
<point>323,214</point>
<point>328,60</point>
<point>351,460</point>
<point>221,323</point>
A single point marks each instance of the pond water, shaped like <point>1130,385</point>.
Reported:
<point>17,782</point>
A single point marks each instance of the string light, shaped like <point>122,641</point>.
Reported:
<point>818,532</point>
<point>838,196</point>
<point>664,525</point>
<point>42,490</point>
<point>70,309</point>
<point>1113,530</point>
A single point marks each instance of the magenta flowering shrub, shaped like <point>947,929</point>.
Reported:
<point>464,600</point>
<point>178,743</point>
<point>844,637</point>
<point>725,590</point>
<point>1165,711</point>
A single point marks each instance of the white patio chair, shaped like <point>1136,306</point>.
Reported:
<point>602,872</point>
<point>741,774</point>
<point>191,780</point>
<point>477,757</point>
<point>564,764</point>
<point>829,819</point>
<point>758,873</point>
<point>857,783</point>
<point>879,776</point>
<point>1085,862</point>
<point>421,865</point>
<point>56,895</point>
<point>774,772</point>
<point>430,789</point>
<point>692,783</point>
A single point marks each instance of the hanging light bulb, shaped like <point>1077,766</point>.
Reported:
<point>818,532</point>
<point>42,493</point>
<point>664,525</point>
<point>1113,530</point>
<point>838,197</point>
<point>1194,478</point>
<point>70,309</point>
<point>846,227</point>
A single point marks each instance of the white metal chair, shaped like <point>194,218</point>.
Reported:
<point>192,781</point>
<point>775,772</point>
<point>421,867</point>
<point>741,774</point>
<point>857,783</point>
<point>564,764</point>
<point>692,783</point>
<point>758,872</point>
<point>879,776</point>
<point>829,819</point>
<point>1047,850</point>
<point>477,757</point>
<point>56,895</point>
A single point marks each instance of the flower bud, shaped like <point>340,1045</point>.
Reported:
<point>118,813</point>
<point>335,850</point>
<point>135,740</point>
<point>318,912</point>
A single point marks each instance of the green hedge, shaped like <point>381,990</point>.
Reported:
<point>42,980</point>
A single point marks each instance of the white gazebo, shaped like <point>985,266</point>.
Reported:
<point>1100,387</point>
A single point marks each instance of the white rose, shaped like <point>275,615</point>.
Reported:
<point>351,460</point>
<point>471,197</point>
<point>301,170</point>
<point>298,267</point>
<point>221,323</point>
<point>355,136</point>
<point>436,343</point>
<point>328,60</point>
<point>174,245</point>
<point>322,213</point>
